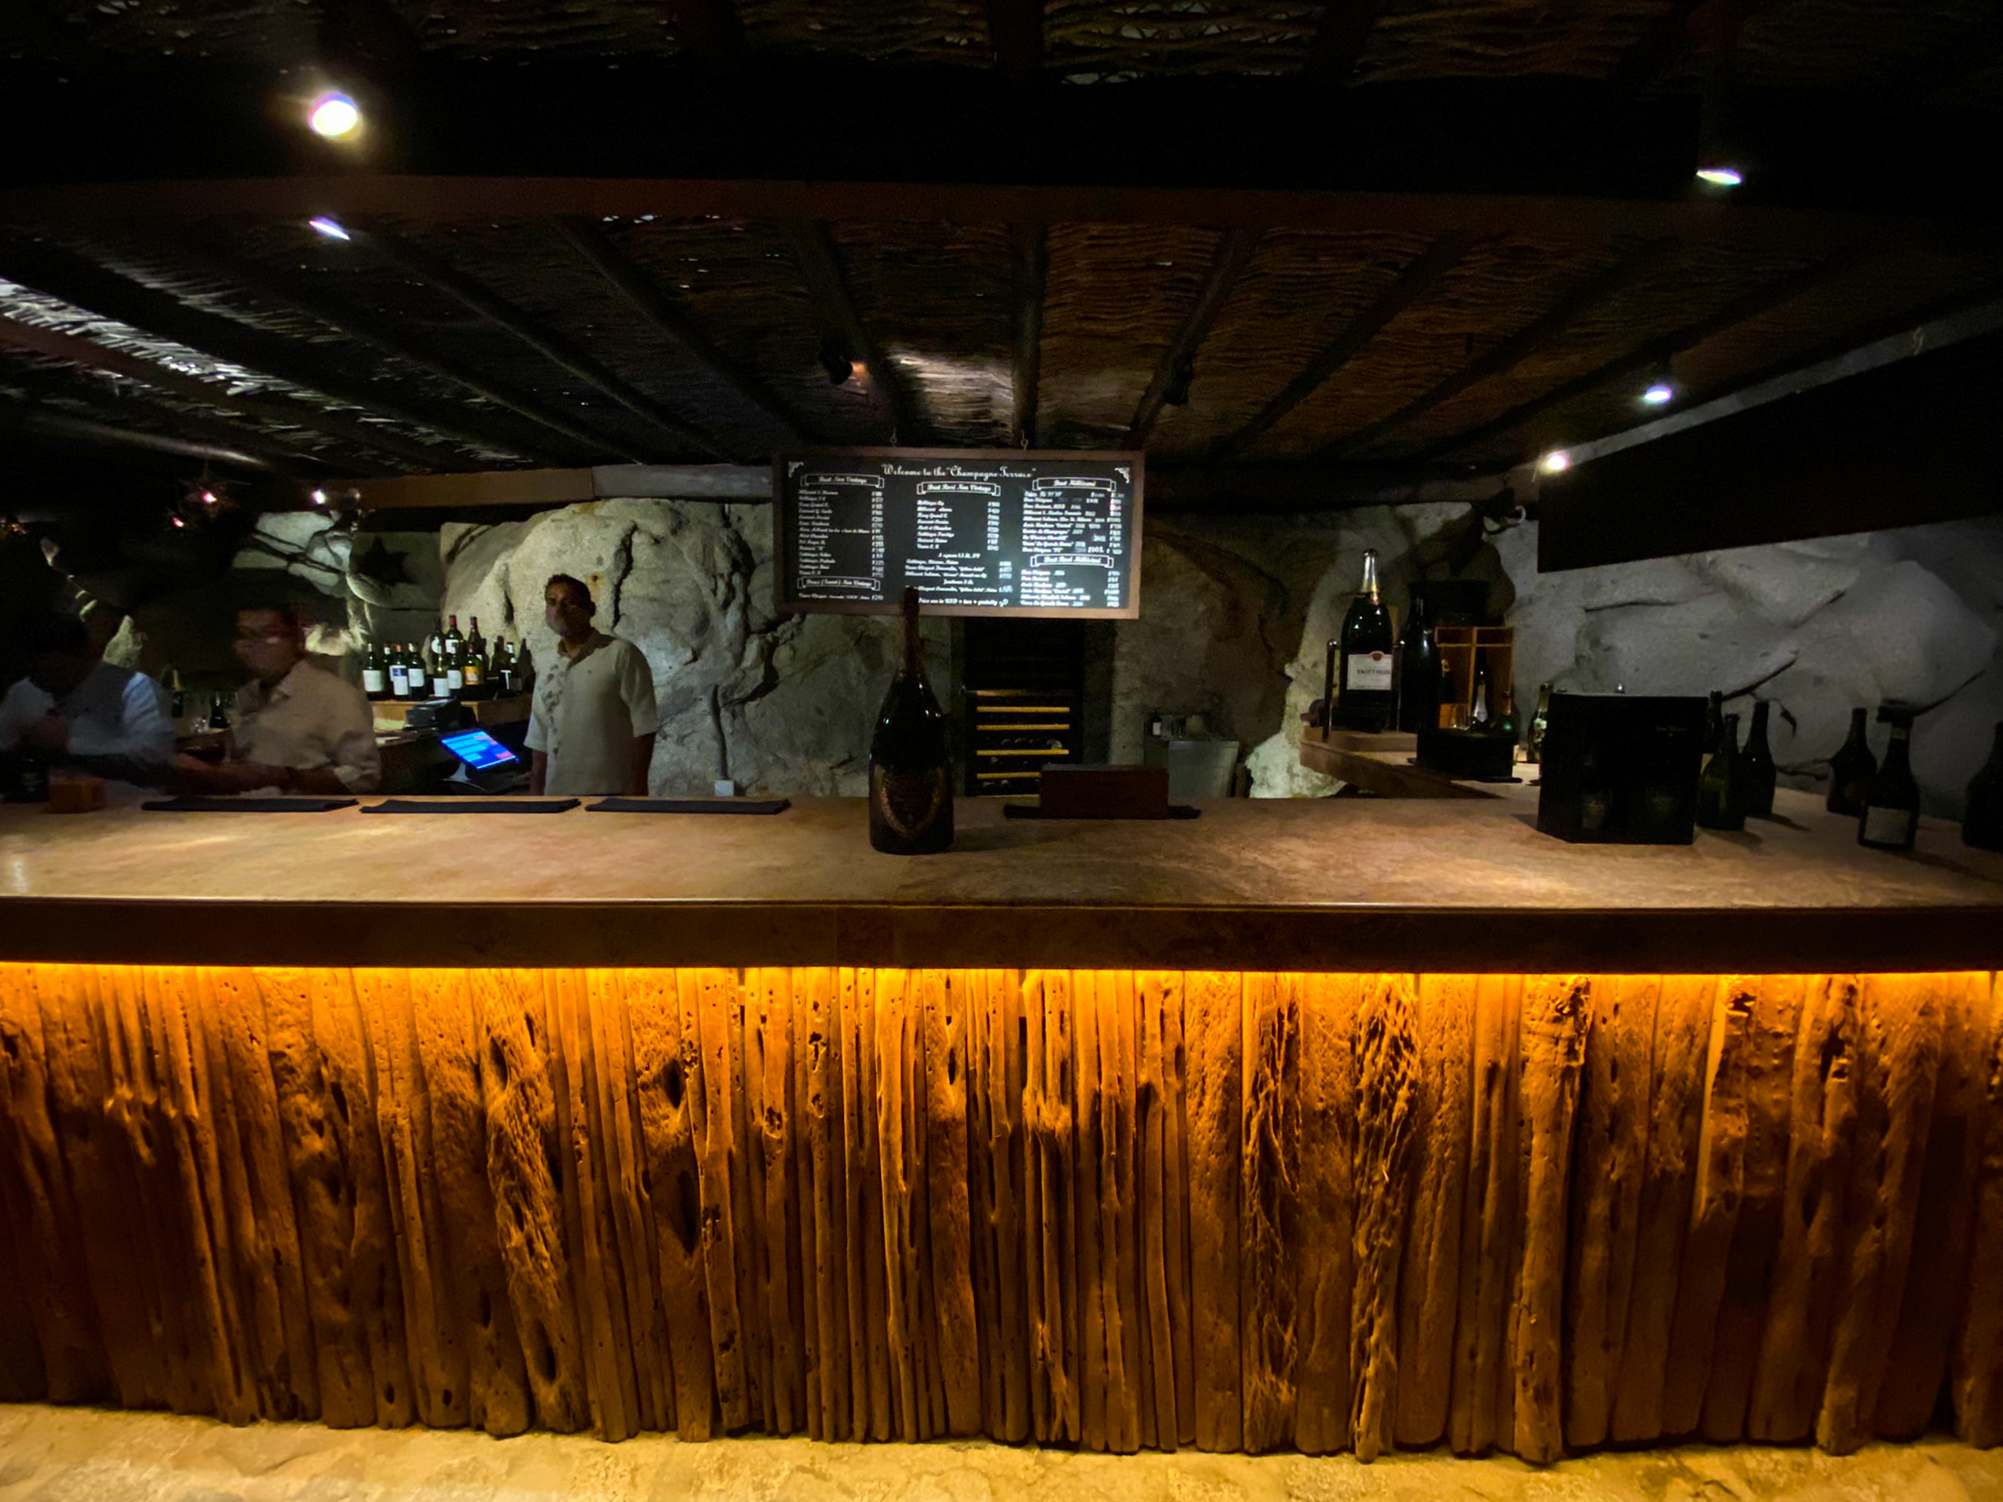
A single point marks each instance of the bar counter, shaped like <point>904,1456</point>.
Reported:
<point>1251,884</point>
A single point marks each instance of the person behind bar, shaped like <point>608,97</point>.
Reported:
<point>79,708</point>
<point>592,725</point>
<point>297,727</point>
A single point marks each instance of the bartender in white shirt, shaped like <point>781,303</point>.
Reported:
<point>593,720</point>
<point>297,727</point>
<point>77,707</point>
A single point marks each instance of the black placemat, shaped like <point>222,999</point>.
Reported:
<point>246,805</point>
<point>473,806</point>
<point>691,806</point>
<point>1033,811</point>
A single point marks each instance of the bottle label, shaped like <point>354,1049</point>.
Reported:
<point>1368,670</point>
<point>1889,826</point>
<point>399,682</point>
<point>454,680</point>
<point>910,803</point>
<point>372,680</point>
<point>474,675</point>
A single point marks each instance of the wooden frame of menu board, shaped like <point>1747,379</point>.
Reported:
<point>960,467</point>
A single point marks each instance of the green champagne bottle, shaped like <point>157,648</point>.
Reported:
<point>910,773</point>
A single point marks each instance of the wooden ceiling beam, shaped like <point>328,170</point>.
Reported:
<point>1015,28</point>
<point>1539,333</point>
<point>84,284</point>
<point>1029,255</point>
<point>295,292</point>
<point>626,278</point>
<point>33,418</point>
<point>477,200</point>
<point>1417,280</point>
<point>827,286</point>
<point>1658,352</point>
<point>1341,37</point>
<point>74,350</point>
<point>1227,264</point>
<point>440,274</point>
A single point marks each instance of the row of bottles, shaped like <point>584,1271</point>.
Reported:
<point>450,666</point>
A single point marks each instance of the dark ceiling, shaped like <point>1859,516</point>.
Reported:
<point>1401,238</point>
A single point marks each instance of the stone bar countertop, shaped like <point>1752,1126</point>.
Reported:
<point>1350,884</point>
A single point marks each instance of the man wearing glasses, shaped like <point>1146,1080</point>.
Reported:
<point>297,728</point>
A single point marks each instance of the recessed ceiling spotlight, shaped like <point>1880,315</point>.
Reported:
<point>1555,463</point>
<point>1659,393</point>
<point>1721,175</point>
<point>331,228</point>
<point>335,117</point>
<point>319,497</point>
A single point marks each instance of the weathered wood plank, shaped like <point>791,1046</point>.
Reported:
<point>1429,1284</point>
<point>826,1247</point>
<point>1155,1098</point>
<point>1003,1081</point>
<point>1490,1221</point>
<point>707,998</point>
<point>869,1345</point>
<point>768,1114</point>
<point>1676,1099</point>
<point>1386,1059</point>
<point>946,1019</point>
<point>1268,1206</point>
<point>1977,1375</point>
<point>1606,1208</point>
<point>1056,1384</point>
<point>1216,1105</point>
<point>1097,1354</point>
<point>1322,1389</point>
<point>894,1136</point>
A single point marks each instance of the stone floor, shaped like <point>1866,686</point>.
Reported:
<point>74,1455</point>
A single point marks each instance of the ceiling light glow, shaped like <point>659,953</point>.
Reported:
<point>319,497</point>
<point>334,117</point>
<point>329,227</point>
<point>1659,394</point>
<point>1720,175</point>
<point>1555,463</point>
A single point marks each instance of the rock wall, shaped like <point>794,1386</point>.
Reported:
<point>1109,1209</point>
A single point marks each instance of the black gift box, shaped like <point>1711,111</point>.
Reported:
<point>1621,769</point>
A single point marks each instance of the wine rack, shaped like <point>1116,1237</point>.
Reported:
<point>1022,702</point>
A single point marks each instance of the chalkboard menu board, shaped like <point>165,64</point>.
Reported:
<point>976,531</point>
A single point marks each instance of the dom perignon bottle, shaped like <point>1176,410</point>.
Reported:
<point>1851,770</point>
<point>910,775</point>
<point>1418,671</point>
<point>1365,697</point>
<point>1756,766</point>
<point>1982,825</point>
<point>1720,793</point>
<point>1892,798</point>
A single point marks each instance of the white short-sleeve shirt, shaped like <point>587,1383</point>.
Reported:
<point>113,712</point>
<point>588,709</point>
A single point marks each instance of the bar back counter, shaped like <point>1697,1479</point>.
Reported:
<point>1333,1125</point>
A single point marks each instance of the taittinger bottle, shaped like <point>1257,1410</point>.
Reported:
<point>910,773</point>
<point>1366,695</point>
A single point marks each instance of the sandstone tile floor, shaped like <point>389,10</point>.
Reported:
<point>77,1455</point>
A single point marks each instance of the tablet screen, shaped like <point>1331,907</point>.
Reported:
<point>478,749</point>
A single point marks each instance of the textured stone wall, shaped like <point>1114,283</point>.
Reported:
<point>1115,1209</point>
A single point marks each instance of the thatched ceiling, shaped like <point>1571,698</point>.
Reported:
<point>1397,235</point>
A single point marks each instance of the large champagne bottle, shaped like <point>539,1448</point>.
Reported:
<point>1756,766</point>
<point>1891,817</point>
<point>1366,694</point>
<point>910,775</point>
<point>1982,825</point>
<point>1851,770</point>
<point>1418,671</point>
<point>1721,800</point>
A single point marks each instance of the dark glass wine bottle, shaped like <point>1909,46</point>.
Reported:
<point>1539,722</point>
<point>1891,818</point>
<point>1756,768</point>
<point>415,670</point>
<point>1480,711</point>
<point>1365,698</point>
<point>1714,721</point>
<point>375,676</point>
<point>399,674</point>
<point>1982,824</point>
<point>1720,795</point>
<point>1418,670</point>
<point>455,659</point>
<point>1851,770</point>
<point>910,774</point>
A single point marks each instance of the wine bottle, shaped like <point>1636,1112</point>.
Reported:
<point>1366,695</point>
<point>375,680</point>
<point>1720,795</point>
<point>1539,723</point>
<point>455,658</point>
<point>1329,676</point>
<point>1851,770</point>
<point>1982,823</point>
<point>1478,709</point>
<point>473,660</point>
<point>399,674</point>
<point>219,715</point>
<point>1504,723</point>
<point>910,775</point>
<point>1418,670</point>
<point>1891,818</point>
<point>420,676</point>
<point>501,671</point>
<point>1756,768</point>
<point>1714,721</point>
